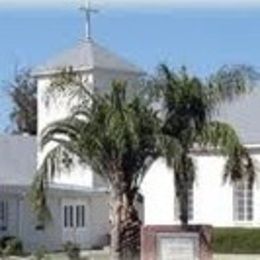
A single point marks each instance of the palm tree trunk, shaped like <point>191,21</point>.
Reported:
<point>181,187</point>
<point>125,230</point>
<point>115,217</point>
<point>184,174</point>
<point>131,227</point>
<point>183,198</point>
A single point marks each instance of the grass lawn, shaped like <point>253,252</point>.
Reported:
<point>86,255</point>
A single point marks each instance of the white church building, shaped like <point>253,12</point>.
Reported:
<point>78,199</point>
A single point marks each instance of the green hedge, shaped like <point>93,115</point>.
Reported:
<point>236,240</point>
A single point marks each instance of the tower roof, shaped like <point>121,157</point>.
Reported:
<point>86,55</point>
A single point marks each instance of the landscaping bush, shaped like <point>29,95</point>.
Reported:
<point>72,250</point>
<point>10,245</point>
<point>236,240</point>
<point>40,253</point>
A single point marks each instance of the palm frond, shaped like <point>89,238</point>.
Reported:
<point>240,166</point>
<point>189,103</point>
<point>230,82</point>
<point>117,133</point>
<point>222,137</point>
<point>218,135</point>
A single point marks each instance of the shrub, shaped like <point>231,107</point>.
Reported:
<point>236,240</point>
<point>11,246</point>
<point>40,253</point>
<point>72,250</point>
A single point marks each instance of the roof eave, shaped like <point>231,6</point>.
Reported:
<point>51,72</point>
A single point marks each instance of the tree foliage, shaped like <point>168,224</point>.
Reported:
<point>188,105</point>
<point>23,94</point>
<point>119,136</point>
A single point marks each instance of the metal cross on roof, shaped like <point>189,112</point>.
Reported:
<point>88,11</point>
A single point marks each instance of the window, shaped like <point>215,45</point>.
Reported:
<point>39,227</point>
<point>71,216</point>
<point>65,214</point>
<point>243,201</point>
<point>80,215</point>
<point>74,216</point>
<point>190,204</point>
<point>3,215</point>
<point>68,216</point>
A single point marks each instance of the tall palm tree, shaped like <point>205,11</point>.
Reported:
<point>117,136</point>
<point>188,105</point>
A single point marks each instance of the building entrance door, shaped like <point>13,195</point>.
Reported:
<point>75,221</point>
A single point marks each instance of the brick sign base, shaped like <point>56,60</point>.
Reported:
<point>151,236</point>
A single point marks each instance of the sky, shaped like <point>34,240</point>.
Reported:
<point>203,38</point>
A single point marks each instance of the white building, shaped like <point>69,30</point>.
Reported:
<point>78,198</point>
<point>211,200</point>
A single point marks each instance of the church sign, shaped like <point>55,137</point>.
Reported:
<point>181,246</point>
<point>176,243</point>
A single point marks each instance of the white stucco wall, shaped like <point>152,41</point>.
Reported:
<point>55,106</point>
<point>53,109</point>
<point>59,107</point>
<point>157,188</point>
<point>99,217</point>
<point>49,110</point>
<point>49,238</point>
<point>213,199</point>
<point>22,222</point>
<point>94,233</point>
<point>54,235</point>
<point>13,215</point>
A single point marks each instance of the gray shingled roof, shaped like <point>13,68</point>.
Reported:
<point>86,55</point>
<point>17,160</point>
<point>244,115</point>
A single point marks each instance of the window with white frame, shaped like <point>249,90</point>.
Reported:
<point>3,215</point>
<point>74,216</point>
<point>80,216</point>
<point>243,201</point>
<point>190,205</point>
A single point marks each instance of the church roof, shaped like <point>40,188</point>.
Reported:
<point>17,159</point>
<point>242,114</point>
<point>86,55</point>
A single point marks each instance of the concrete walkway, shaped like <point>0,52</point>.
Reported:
<point>236,257</point>
<point>103,255</point>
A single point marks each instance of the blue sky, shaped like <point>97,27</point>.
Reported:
<point>203,39</point>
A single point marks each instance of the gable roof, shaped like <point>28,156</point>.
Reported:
<point>17,160</point>
<point>86,55</point>
<point>243,114</point>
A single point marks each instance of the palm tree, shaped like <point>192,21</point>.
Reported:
<point>120,135</point>
<point>117,136</point>
<point>188,105</point>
